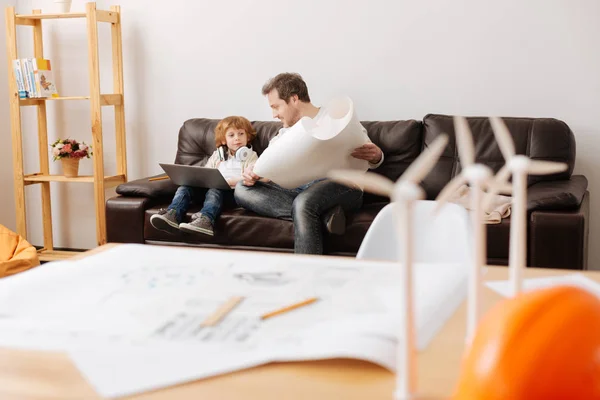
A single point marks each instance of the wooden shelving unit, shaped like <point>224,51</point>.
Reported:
<point>97,100</point>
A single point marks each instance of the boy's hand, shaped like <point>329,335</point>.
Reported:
<point>249,178</point>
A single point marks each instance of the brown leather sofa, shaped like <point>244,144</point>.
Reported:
<point>558,217</point>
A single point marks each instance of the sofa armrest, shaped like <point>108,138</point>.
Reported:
<point>557,195</point>
<point>125,219</point>
<point>146,188</point>
<point>559,239</point>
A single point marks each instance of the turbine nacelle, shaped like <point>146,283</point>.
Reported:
<point>407,191</point>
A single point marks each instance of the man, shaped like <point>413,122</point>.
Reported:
<point>315,201</point>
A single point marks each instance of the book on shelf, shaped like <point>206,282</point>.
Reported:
<point>19,78</point>
<point>34,78</point>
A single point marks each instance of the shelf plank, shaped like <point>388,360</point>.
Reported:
<point>49,16</point>
<point>55,255</point>
<point>115,180</point>
<point>105,99</point>
<point>35,102</point>
<point>25,21</point>
<point>111,99</point>
<point>39,177</point>
<point>102,16</point>
<point>107,16</point>
<point>57,178</point>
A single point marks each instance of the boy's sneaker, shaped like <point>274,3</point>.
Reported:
<point>199,225</point>
<point>165,220</point>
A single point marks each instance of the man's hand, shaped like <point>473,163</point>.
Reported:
<point>369,152</point>
<point>249,178</point>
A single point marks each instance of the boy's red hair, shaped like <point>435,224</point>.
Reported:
<point>233,122</point>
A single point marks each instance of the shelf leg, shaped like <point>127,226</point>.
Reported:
<point>117,59</point>
<point>38,48</point>
<point>96,118</point>
<point>15,123</point>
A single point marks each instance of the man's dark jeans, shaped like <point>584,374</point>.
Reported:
<point>303,205</point>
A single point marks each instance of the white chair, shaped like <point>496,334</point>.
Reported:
<point>441,238</point>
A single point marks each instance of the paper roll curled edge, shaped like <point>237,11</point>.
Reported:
<point>307,151</point>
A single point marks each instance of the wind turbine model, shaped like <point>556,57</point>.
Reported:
<point>478,176</point>
<point>519,166</point>
<point>403,194</point>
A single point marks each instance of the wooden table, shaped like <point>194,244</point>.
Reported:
<point>28,375</point>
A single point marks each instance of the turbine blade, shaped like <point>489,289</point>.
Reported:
<point>424,163</point>
<point>371,182</point>
<point>464,141</point>
<point>539,167</point>
<point>498,183</point>
<point>503,137</point>
<point>448,190</point>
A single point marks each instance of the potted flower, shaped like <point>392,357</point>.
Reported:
<point>69,152</point>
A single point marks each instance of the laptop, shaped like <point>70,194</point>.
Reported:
<point>190,175</point>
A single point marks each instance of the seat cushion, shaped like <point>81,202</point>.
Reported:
<point>235,227</point>
<point>238,227</point>
<point>498,242</point>
<point>357,225</point>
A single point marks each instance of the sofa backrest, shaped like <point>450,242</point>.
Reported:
<point>196,140</point>
<point>400,141</point>
<point>403,141</point>
<point>538,138</point>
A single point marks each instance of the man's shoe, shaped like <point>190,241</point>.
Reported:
<point>165,221</point>
<point>199,225</point>
<point>334,220</point>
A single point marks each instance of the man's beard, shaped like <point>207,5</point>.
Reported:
<point>295,118</point>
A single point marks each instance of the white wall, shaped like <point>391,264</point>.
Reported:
<point>397,59</point>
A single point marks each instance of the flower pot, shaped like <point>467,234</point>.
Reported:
<point>70,166</point>
<point>62,6</point>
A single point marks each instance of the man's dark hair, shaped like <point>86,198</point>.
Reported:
<point>287,85</point>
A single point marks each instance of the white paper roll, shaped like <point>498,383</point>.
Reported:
<point>310,149</point>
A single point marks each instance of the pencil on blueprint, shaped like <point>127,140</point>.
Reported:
<point>222,311</point>
<point>289,308</point>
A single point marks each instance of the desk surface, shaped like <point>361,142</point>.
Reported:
<point>26,375</point>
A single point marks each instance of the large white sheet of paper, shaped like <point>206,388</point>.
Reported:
<point>309,149</point>
<point>129,317</point>
<point>505,288</point>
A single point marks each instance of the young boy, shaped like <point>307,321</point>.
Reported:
<point>235,133</point>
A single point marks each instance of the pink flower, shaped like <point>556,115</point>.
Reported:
<point>67,148</point>
<point>83,147</point>
<point>78,154</point>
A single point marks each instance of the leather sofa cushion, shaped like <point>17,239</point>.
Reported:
<point>146,188</point>
<point>538,138</point>
<point>558,195</point>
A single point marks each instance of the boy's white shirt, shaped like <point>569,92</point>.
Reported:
<point>231,168</point>
<point>317,118</point>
